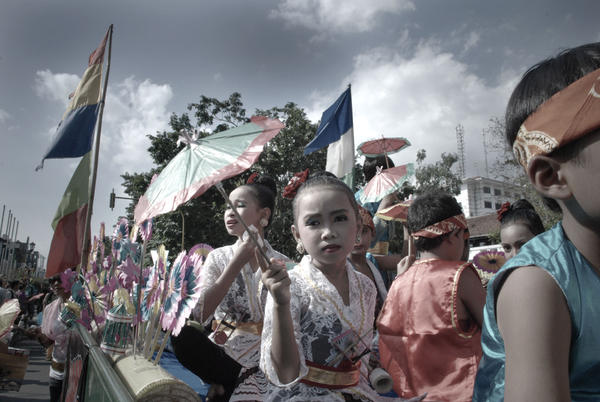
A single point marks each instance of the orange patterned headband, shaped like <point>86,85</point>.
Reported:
<point>446,226</point>
<point>567,116</point>
<point>367,219</point>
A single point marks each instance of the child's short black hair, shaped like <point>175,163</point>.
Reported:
<point>522,212</point>
<point>542,81</point>
<point>427,209</point>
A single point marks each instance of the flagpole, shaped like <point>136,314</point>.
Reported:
<point>88,218</point>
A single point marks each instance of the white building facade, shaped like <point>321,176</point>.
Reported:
<point>481,196</point>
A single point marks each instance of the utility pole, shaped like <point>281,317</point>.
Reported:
<point>460,142</point>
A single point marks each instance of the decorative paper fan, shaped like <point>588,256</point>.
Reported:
<point>151,292</point>
<point>200,249</point>
<point>8,314</point>
<point>174,284</point>
<point>190,291</point>
<point>488,263</point>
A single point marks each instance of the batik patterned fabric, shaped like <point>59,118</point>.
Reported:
<point>442,227</point>
<point>320,316</point>
<point>244,303</point>
<point>567,116</point>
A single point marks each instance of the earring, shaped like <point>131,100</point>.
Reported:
<point>300,247</point>
<point>264,222</point>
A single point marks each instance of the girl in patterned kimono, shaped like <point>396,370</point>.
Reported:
<point>233,298</point>
<point>319,318</point>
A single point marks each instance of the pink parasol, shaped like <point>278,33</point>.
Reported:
<point>386,181</point>
<point>382,146</point>
<point>205,162</point>
<point>397,212</point>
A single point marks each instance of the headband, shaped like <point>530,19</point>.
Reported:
<point>567,116</point>
<point>367,219</point>
<point>440,228</point>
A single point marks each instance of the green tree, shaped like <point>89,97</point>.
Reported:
<point>203,216</point>
<point>437,176</point>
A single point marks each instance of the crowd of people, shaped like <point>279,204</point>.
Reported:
<point>333,328</point>
<point>270,329</point>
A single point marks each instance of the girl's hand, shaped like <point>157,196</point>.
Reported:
<point>247,248</point>
<point>276,279</point>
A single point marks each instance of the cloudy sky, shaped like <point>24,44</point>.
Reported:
<point>417,68</point>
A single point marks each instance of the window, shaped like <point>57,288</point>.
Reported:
<point>497,191</point>
<point>507,193</point>
<point>498,205</point>
<point>487,204</point>
<point>487,190</point>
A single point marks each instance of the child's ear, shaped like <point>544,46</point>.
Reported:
<point>266,213</point>
<point>548,177</point>
<point>295,233</point>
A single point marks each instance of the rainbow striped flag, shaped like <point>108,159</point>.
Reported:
<point>74,138</point>
<point>75,131</point>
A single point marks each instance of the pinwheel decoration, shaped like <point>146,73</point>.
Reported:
<point>173,292</point>
<point>128,273</point>
<point>190,291</point>
<point>121,232</point>
<point>488,262</point>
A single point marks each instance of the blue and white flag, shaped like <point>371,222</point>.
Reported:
<point>336,131</point>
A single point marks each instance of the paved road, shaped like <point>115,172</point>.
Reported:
<point>35,385</point>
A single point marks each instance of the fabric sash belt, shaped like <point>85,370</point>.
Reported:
<point>331,377</point>
<point>251,327</point>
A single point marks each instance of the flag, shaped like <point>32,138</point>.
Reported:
<point>69,221</point>
<point>75,131</point>
<point>336,131</point>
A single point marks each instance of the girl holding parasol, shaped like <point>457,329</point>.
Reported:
<point>233,298</point>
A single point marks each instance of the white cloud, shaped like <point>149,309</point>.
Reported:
<point>471,41</point>
<point>134,109</point>
<point>334,16</point>
<point>56,87</point>
<point>4,116</point>
<point>423,98</point>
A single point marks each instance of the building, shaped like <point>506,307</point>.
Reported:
<point>481,196</point>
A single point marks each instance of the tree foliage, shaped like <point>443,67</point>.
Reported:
<point>437,176</point>
<point>203,216</point>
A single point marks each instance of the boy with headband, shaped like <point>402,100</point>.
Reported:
<point>541,335</point>
<point>430,324</point>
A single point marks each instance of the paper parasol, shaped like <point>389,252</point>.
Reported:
<point>488,262</point>
<point>385,182</point>
<point>397,212</point>
<point>8,314</point>
<point>382,146</point>
<point>205,162</point>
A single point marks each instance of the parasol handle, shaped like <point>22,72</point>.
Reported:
<point>219,186</point>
